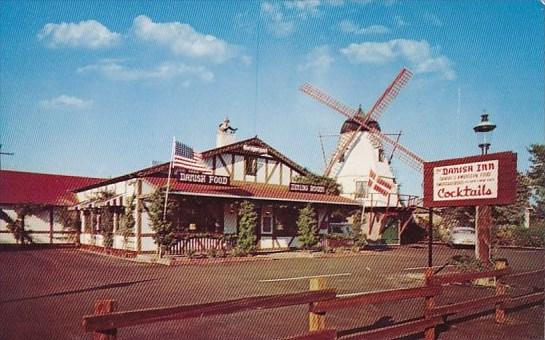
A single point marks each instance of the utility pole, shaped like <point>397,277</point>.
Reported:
<point>4,154</point>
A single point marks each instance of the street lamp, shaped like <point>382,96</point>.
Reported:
<point>485,127</point>
<point>483,214</point>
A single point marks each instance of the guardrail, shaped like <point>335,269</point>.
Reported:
<point>106,320</point>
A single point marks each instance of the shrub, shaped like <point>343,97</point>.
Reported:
<point>107,226</point>
<point>307,227</point>
<point>246,233</point>
<point>127,222</point>
<point>359,238</point>
<point>164,229</point>
<point>467,263</point>
<point>531,237</point>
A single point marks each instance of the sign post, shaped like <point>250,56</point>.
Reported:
<point>480,181</point>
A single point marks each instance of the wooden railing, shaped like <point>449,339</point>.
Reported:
<point>106,321</point>
<point>192,244</point>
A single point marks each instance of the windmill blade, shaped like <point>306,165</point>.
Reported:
<point>402,152</point>
<point>346,141</point>
<point>389,95</point>
<point>328,100</point>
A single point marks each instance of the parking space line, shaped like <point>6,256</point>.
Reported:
<point>305,277</point>
<point>418,268</point>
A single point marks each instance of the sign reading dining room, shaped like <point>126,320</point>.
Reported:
<point>311,188</point>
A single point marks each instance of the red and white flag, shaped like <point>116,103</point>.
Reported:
<point>185,158</point>
<point>379,184</point>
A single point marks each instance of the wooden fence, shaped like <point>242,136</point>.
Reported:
<point>106,321</point>
<point>191,244</point>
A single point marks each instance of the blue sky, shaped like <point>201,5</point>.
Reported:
<point>99,88</point>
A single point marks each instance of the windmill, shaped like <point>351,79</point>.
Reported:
<point>361,134</point>
<point>367,122</point>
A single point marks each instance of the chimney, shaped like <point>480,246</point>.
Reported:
<point>225,134</point>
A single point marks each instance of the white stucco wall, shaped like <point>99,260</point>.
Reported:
<point>361,159</point>
<point>37,226</point>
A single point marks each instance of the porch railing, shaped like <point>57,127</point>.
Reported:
<point>188,244</point>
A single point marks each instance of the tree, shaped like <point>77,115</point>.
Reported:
<point>307,227</point>
<point>164,228</point>
<point>513,214</point>
<point>246,228</point>
<point>536,176</point>
<point>17,226</point>
<point>70,220</point>
<point>331,186</point>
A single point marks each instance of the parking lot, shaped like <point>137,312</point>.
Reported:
<point>45,293</point>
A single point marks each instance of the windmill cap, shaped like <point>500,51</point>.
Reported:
<point>350,125</point>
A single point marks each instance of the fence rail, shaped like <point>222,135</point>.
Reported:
<point>106,321</point>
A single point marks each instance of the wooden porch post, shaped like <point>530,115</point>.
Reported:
<point>138,219</point>
<point>50,225</point>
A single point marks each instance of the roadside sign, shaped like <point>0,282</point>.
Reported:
<point>471,181</point>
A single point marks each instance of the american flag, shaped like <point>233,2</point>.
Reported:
<point>185,158</point>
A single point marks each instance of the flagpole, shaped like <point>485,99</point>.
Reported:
<point>168,181</point>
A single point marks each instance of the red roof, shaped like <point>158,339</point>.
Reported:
<point>249,191</point>
<point>18,187</point>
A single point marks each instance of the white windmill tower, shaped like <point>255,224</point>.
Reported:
<point>359,162</point>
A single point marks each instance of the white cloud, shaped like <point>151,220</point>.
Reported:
<point>182,39</point>
<point>276,21</point>
<point>433,19</point>
<point>399,21</point>
<point>418,53</point>
<point>305,7</point>
<point>348,26</point>
<point>115,70</point>
<point>318,60</point>
<point>87,34</point>
<point>64,101</point>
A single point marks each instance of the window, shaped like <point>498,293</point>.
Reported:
<point>381,155</point>
<point>250,165</point>
<point>360,189</point>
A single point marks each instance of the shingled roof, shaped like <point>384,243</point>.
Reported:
<point>18,187</point>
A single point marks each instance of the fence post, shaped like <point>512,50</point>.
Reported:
<point>105,307</point>
<point>500,290</point>
<point>429,333</point>
<point>316,321</point>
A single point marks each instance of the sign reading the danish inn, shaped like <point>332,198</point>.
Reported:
<point>479,180</point>
<point>203,179</point>
<point>312,188</point>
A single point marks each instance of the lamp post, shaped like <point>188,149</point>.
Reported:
<point>483,214</point>
<point>485,128</point>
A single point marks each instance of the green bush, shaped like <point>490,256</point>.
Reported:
<point>307,227</point>
<point>246,229</point>
<point>531,237</point>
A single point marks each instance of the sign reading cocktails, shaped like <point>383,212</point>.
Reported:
<point>479,180</point>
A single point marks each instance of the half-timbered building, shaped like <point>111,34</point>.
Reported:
<point>245,170</point>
